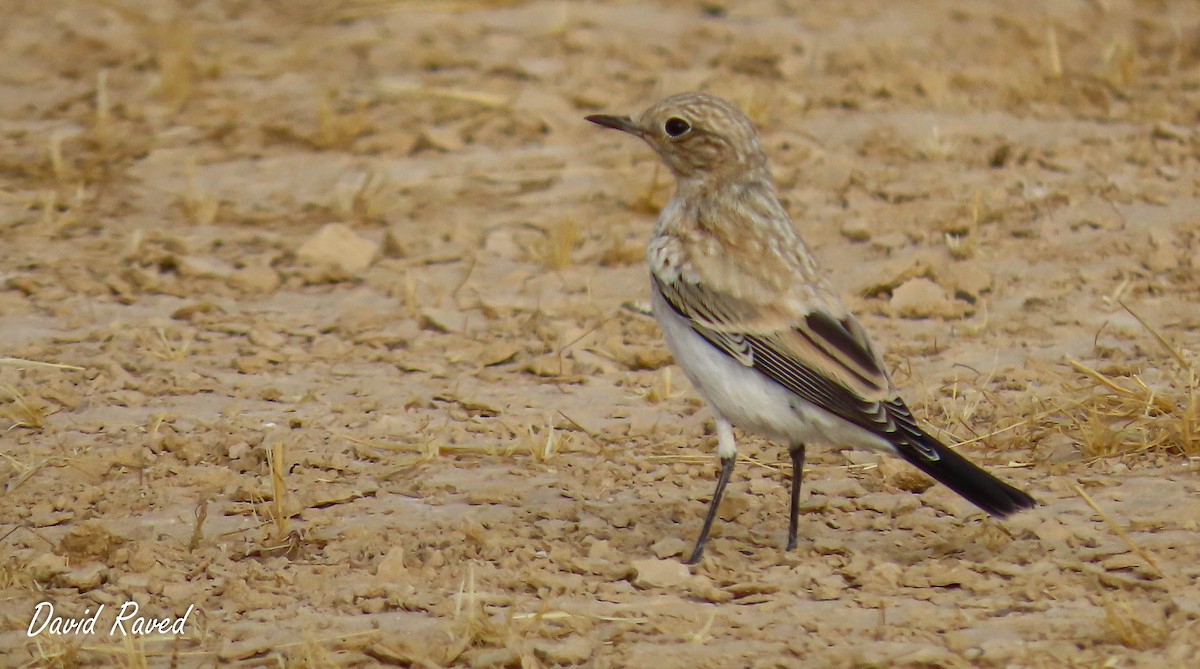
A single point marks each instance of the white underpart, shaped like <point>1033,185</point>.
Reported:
<point>751,401</point>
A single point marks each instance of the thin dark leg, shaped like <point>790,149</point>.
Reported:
<point>797,452</point>
<point>726,470</point>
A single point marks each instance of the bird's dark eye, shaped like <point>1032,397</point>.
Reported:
<point>676,126</point>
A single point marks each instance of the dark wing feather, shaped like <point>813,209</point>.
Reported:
<point>889,419</point>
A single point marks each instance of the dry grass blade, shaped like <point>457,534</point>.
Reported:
<point>567,615</point>
<point>706,459</point>
<point>596,439</point>
<point>21,362</point>
<point>1158,337</point>
<point>198,527</point>
<point>702,635</point>
<point>1119,531</point>
<point>1055,54</point>
<point>277,465</point>
<point>27,471</point>
<point>135,653</point>
<point>199,206</point>
<point>360,9</point>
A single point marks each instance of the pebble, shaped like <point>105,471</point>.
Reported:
<point>659,573</point>
<point>391,568</point>
<point>669,547</point>
<point>85,578</point>
<point>572,650</point>
<point>919,298</point>
<point>337,245</point>
<point>856,230</point>
<point>200,267</point>
<point>836,488</point>
<point>255,279</point>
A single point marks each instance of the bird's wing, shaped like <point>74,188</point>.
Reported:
<point>821,355</point>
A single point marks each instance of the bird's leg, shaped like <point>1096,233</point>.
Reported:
<point>797,453</point>
<point>727,451</point>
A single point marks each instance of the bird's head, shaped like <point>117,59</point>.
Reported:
<point>700,137</point>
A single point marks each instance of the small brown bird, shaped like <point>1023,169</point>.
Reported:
<point>755,325</point>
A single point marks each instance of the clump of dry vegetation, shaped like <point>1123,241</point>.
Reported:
<point>1143,628</point>
<point>20,410</point>
<point>557,247</point>
<point>1123,414</point>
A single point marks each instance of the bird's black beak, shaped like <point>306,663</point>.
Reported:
<point>623,123</point>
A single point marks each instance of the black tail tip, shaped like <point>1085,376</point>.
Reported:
<point>1008,503</point>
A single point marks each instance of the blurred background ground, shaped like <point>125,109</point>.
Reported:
<point>351,303</point>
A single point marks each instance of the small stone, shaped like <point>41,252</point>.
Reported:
<point>244,649</point>
<point>856,230</point>
<point>439,138</point>
<point>90,539</point>
<point>444,321</point>
<point>255,279</point>
<point>862,458</point>
<point>919,298</point>
<point>659,573</point>
<point>880,502</point>
<point>181,593</point>
<point>1162,130</point>
<point>650,358</point>
<point>131,583</point>
<point>829,546</point>
<point>143,559</point>
<point>954,576</point>
<point>394,245</point>
<point>737,501</point>
<point>498,354</point>
<point>890,241</point>
<point>1164,254</point>
<point>85,578</point>
<point>199,267</point>
<point>915,578</point>
<point>251,364</point>
<point>941,498</point>
<point>903,476</point>
<point>391,568</point>
<point>337,245</point>
<point>848,488</point>
<point>669,547</point>
<point>967,280</point>
<point>572,650</point>
<point>266,338</point>
<point>191,311</point>
<point>486,658</point>
<point>550,365</point>
<point>703,588</point>
<point>827,588</point>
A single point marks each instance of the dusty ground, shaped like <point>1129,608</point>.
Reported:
<point>480,445</point>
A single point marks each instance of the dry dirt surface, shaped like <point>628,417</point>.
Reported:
<point>327,320</point>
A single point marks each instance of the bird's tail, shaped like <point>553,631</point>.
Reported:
<point>965,478</point>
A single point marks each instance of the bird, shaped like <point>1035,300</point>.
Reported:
<point>756,325</point>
